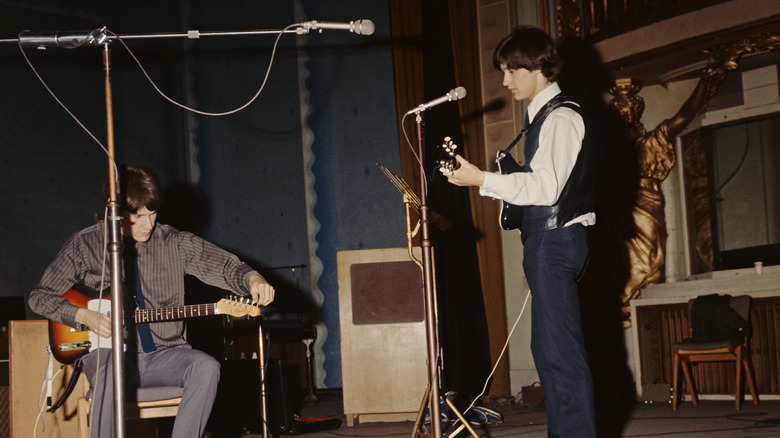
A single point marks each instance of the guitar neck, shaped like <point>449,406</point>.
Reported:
<point>176,312</point>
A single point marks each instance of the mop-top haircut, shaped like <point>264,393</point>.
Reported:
<point>530,48</point>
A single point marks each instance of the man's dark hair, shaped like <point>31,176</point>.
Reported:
<point>530,48</point>
<point>138,187</point>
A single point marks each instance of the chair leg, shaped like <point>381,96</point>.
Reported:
<point>675,378</point>
<point>738,363</point>
<point>83,414</point>
<point>686,367</point>
<point>751,380</point>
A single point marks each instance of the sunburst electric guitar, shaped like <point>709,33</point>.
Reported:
<point>68,343</point>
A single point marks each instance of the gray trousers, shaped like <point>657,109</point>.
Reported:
<point>193,370</point>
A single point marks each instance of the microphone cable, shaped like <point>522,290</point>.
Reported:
<point>67,110</point>
<point>503,350</point>
<point>206,113</point>
<point>143,70</point>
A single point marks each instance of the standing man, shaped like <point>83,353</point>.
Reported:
<point>156,258</point>
<point>554,193</point>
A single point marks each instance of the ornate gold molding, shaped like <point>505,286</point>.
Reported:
<point>626,101</point>
<point>569,19</point>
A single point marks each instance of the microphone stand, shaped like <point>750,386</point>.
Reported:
<point>264,405</point>
<point>115,248</point>
<point>431,396</point>
<point>430,302</point>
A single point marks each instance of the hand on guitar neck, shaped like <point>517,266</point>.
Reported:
<point>457,169</point>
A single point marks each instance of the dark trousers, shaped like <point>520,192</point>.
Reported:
<point>553,262</point>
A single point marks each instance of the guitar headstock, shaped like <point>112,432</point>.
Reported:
<point>447,162</point>
<point>236,307</point>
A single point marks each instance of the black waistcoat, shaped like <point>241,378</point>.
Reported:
<point>577,196</point>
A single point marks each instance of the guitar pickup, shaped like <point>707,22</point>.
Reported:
<point>74,346</point>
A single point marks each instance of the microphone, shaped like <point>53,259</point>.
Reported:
<point>360,27</point>
<point>454,94</point>
<point>69,40</point>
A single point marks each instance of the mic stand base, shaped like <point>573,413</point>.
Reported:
<point>419,424</point>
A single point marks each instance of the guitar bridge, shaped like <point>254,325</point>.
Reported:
<point>79,328</point>
<point>74,346</point>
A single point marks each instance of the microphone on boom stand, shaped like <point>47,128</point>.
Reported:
<point>432,399</point>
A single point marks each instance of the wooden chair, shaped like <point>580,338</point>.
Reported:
<point>154,402</point>
<point>687,352</point>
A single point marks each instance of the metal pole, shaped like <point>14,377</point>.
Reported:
<point>430,302</point>
<point>96,37</point>
<point>115,248</point>
<point>264,405</point>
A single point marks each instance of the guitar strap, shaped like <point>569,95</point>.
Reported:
<point>553,103</point>
<point>74,378</point>
<point>131,269</point>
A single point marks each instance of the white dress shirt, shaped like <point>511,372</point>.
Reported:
<point>560,141</point>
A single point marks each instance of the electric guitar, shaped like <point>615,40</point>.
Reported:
<point>512,215</point>
<point>68,344</point>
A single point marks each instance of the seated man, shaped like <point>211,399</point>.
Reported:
<point>156,259</point>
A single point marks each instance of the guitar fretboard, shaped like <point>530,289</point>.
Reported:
<point>177,312</point>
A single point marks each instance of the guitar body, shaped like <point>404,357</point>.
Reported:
<point>68,344</point>
<point>511,215</point>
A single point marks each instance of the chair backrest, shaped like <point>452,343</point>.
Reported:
<point>741,305</point>
<point>710,317</point>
